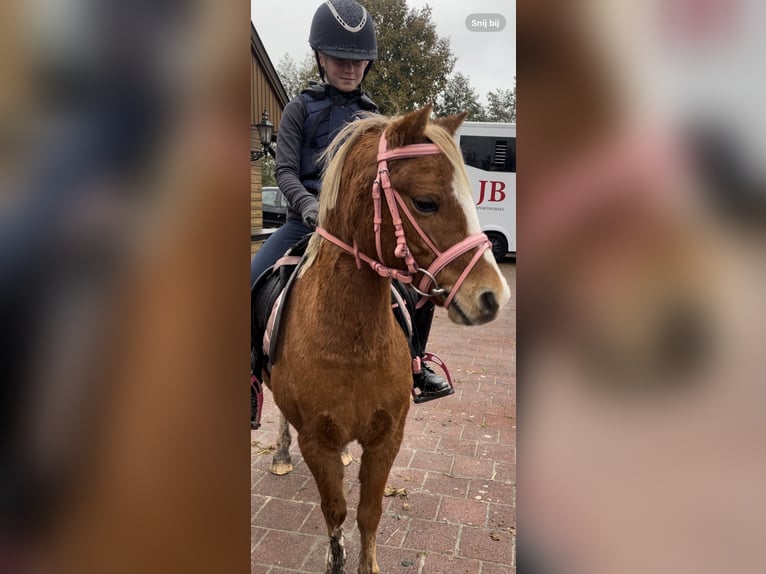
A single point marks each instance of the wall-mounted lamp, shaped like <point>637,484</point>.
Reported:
<point>265,132</point>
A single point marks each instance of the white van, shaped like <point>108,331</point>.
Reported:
<point>489,152</point>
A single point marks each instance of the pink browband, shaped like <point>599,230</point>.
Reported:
<point>479,241</point>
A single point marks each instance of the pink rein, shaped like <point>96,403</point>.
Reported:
<point>479,241</point>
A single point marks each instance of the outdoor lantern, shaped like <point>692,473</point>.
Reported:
<point>265,132</point>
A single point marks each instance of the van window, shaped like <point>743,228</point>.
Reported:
<point>489,153</point>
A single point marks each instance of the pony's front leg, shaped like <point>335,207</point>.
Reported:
<point>282,463</point>
<point>326,466</point>
<point>377,459</point>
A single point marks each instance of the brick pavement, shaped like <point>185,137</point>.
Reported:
<point>457,464</point>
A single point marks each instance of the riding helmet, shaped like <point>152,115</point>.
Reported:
<point>344,29</point>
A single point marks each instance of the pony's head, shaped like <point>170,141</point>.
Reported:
<point>434,197</point>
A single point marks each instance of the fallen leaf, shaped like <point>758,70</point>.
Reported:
<point>392,491</point>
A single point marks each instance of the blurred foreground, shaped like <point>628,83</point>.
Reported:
<point>641,274</point>
<point>123,293</point>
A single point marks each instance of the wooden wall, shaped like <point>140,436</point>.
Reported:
<point>262,97</point>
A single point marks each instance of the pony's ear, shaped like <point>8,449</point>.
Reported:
<point>452,123</point>
<point>409,129</point>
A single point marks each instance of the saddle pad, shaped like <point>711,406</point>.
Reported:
<point>271,335</point>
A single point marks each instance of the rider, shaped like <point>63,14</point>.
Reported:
<point>343,39</point>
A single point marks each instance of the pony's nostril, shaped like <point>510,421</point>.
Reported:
<point>489,303</point>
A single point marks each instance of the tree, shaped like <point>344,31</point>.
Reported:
<point>413,61</point>
<point>295,77</point>
<point>501,105</point>
<point>458,96</point>
<point>268,165</point>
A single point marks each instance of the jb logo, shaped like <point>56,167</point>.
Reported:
<point>496,191</point>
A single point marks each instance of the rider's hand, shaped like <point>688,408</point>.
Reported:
<point>310,215</point>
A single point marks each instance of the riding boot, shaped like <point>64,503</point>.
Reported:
<point>430,385</point>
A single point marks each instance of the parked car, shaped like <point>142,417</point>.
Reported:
<point>274,207</point>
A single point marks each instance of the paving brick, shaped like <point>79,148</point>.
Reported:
<point>393,528</point>
<point>501,516</point>
<point>432,536</point>
<point>286,549</point>
<point>431,461</point>
<point>398,560</point>
<point>403,457</point>
<point>256,503</point>
<point>352,492</point>
<point>505,471</point>
<point>409,478</point>
<point>480,432</point>
<point>282,515</point>
<point>314,523</point>
<point>502,409</point>
<point>507,436</point>
<point>259,569</point>
<point>463,511</point>
<point>446,484</point>
<point>445,429</point>
<point>447,564</point>
<point>256,535</point>
<point>457,446</point>
<point>416,504</point>
<point>415,424</point>
<point>492,568</point>
<point>491,491</point>
<point>485,545</point>
<point>285,487</point>
<point>497,452</point>
<point>423,442</point>
<point>472,467</point>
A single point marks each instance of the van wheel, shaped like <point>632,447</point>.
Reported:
<point>499,245</point>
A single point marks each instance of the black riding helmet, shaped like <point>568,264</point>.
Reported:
<point>343,29</point>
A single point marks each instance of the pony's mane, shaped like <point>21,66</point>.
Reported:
<point>336,153</point>
<point>334,157</point>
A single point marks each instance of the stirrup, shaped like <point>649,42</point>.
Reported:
<point>439,362</point>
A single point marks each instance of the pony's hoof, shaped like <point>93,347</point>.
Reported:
<point>346,458</point>
<point>281,468</point>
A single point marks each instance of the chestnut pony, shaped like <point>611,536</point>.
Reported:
<point>395,202</point>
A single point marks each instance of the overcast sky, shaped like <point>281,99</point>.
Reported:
<point>488,58</point>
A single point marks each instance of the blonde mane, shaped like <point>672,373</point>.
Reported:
<point>336,153</point>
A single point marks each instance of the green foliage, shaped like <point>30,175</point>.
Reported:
<point>295,77</point>
<point>413,61</point>
<point>501,105</point>
<point>459,96</point>
<point>267,171</point>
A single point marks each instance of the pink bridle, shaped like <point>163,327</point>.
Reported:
<point>478,241</point>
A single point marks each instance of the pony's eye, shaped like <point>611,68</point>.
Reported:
<point>425,205</point>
